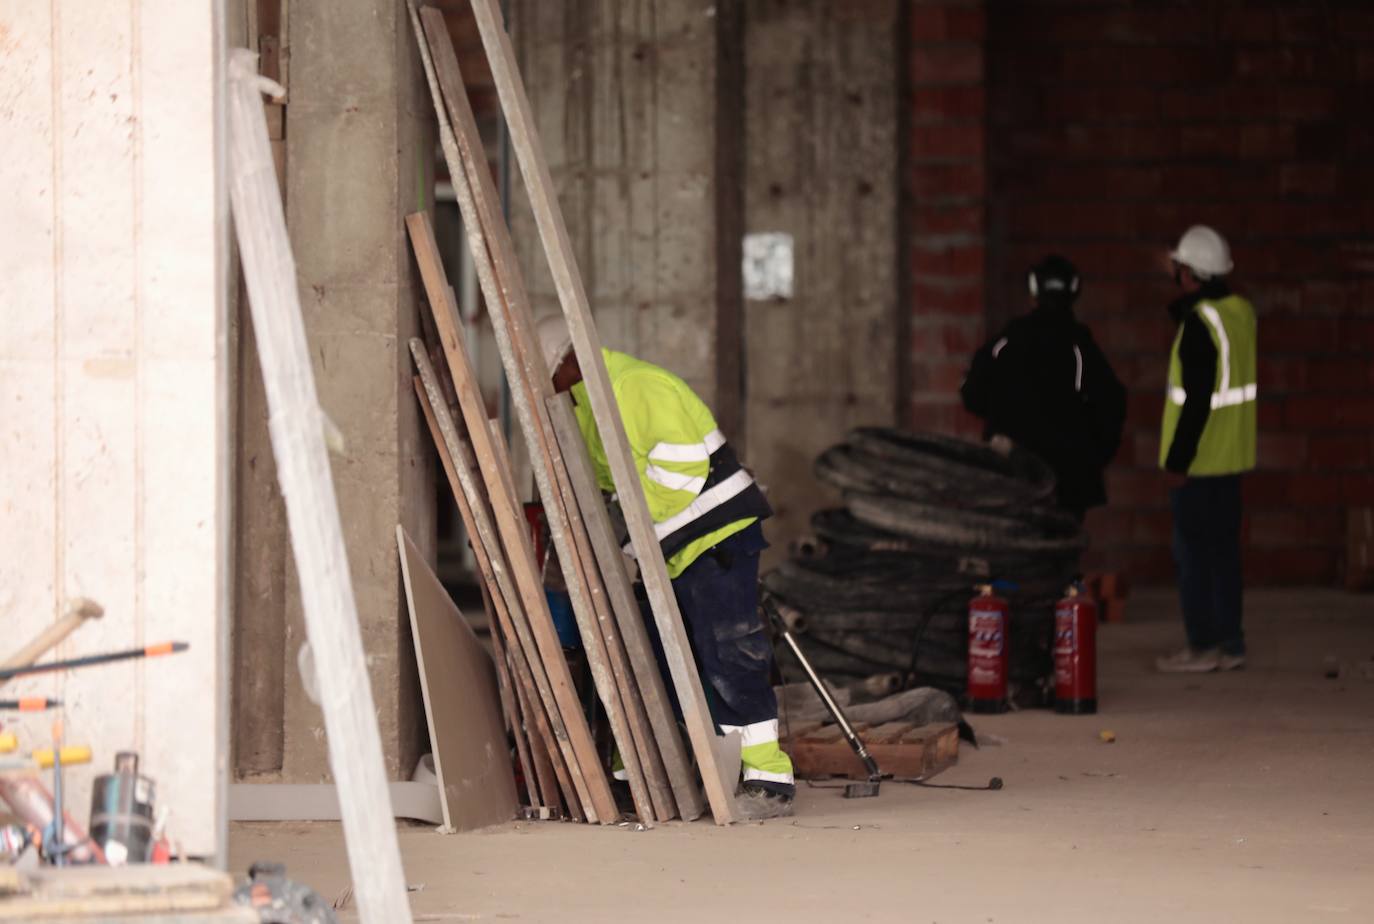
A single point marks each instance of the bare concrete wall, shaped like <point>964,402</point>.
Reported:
<point>821,165</point>
<point>623,93</point>
<point>644,144</point>
<point>359,154</point>
<point>113,395</point>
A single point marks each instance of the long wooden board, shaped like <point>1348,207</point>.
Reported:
<point>523,725</point>
<point>462,703</point>
<point>125,893</point>
<point>297,424</point>
<point>510,707</point>
<point>648,783</point>
<point>513,530</point>
<point>469,171</point>
<point>713,755</point>
<point>635,637</point>
<point>516,624</point>
<point>320,801</point>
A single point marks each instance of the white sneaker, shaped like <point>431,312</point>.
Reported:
<point>1189,661</point>
<point>1230,662</point>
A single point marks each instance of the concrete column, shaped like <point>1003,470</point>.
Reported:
<point>821,166</point>
<point>624,98</point>
<point>359,158</point>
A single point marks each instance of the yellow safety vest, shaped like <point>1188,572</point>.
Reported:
<point>1227,446</point>
<point>698,493</point>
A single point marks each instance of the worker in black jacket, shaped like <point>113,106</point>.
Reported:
<point>1043,383</point>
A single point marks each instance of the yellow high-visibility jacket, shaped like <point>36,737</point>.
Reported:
<point>698,493</point>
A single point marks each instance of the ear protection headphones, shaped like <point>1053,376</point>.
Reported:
<point>1055,283</point>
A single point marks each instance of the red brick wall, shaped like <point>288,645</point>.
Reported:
<point>1101,130</point>
<point>945,193</point>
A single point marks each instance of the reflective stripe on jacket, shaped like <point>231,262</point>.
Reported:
<point>697,492</point>
<point>1227,445</point>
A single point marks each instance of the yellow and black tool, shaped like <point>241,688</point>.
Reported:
<point>70,754</point>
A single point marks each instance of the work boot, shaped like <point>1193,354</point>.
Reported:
<point>759,799</point>
<point>624,799</point>
<point>1230,662</point>
<point>1189,661</point>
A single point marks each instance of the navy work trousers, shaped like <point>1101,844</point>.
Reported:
<point>718,595</point>
<point>1207,515</point>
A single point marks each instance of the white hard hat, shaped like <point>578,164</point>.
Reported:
<point>1203,251</point>
<point>555,342</point>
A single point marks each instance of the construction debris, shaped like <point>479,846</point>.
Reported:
<point>885,584</point>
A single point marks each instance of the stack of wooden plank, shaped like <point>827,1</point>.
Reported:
<point>562,767</point>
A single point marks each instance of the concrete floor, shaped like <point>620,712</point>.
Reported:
<point>1238,797</point>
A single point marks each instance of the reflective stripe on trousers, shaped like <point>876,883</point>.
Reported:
<point>760,754</point>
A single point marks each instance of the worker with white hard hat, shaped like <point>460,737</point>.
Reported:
<point>707,512</point>
<point>1207,443</point>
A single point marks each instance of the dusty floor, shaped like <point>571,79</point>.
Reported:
<point>1238,797</point>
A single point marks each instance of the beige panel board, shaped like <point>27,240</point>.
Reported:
<point>462,703</point>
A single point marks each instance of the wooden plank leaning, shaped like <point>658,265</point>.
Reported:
<point>491,598</point>
<point>648,786</point>
<point>510,706</point>
<point>514,534</point>
<point>296,425</point>
<point>473,189</point>
<point>531,386</point>
<point>651,795</point>
<point>716,755</point>
<point>647,755</point>
<point>541,737</point>
<point>546,676</point>
<point>636,638</point>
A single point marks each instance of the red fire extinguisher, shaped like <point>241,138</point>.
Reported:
<point>1075,653</point>
<point>987,651</point>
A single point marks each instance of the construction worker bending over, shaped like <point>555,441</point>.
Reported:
<point>707,513</point>
<point>1043,383</point>
<point>1208,440</point>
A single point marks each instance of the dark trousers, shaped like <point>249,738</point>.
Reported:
<point>718,595</point>
<point>1207,513</point>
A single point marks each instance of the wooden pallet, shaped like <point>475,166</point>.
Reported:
<point>182,892</point>
<point>901,749</point>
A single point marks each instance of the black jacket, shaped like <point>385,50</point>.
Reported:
<point>1197,354</point>
<point>1044,383</point>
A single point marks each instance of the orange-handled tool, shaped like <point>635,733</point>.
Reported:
<point>29,704</point>
<point>148,651</point>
